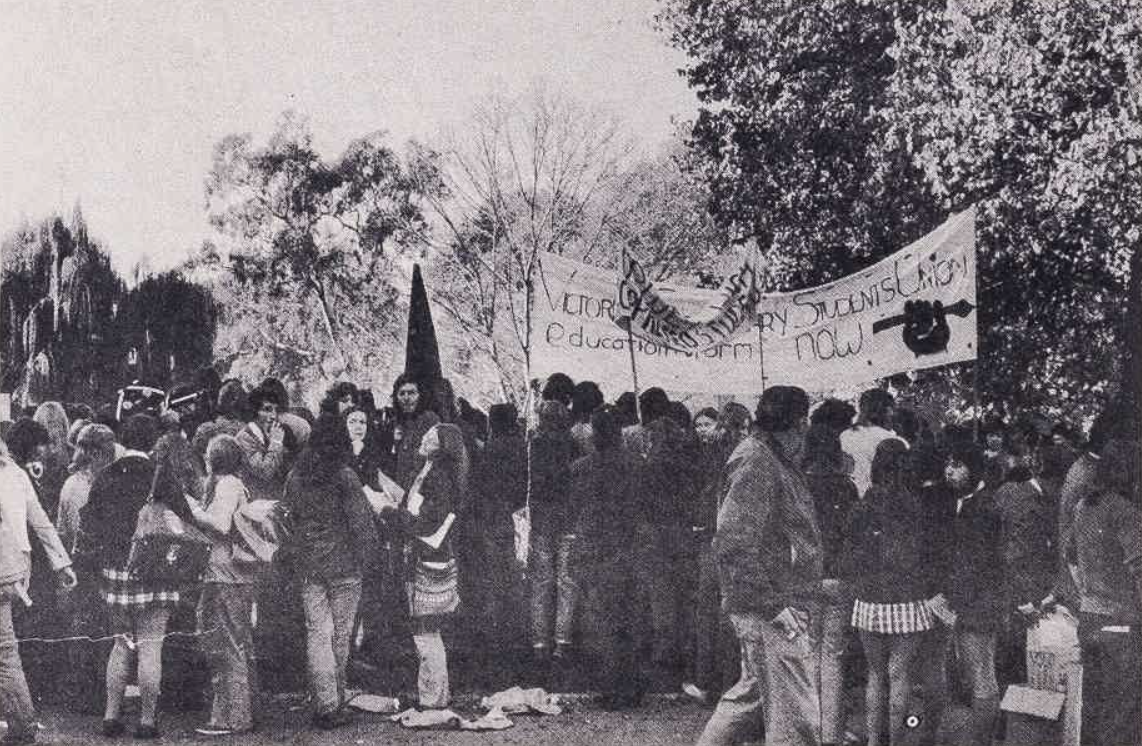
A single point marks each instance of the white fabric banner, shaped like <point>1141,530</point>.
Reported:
<point>914,309</point>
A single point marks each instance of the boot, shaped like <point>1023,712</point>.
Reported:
<point>984,711</point>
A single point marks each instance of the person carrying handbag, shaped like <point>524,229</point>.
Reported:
<point>138,609</point>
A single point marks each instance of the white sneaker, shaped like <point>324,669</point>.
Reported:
<point>693,692</point>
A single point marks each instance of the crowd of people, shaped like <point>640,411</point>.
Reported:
<point>762,561</point>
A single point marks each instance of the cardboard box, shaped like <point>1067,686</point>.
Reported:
<point>1033,716</point>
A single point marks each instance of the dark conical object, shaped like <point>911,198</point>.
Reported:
<point>422,355</point>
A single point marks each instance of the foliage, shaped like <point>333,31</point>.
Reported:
<point>70,325</point>
<point>1031,110</point>
<point>308,246</point>
<point>840,131</point>
<point>543,173</point>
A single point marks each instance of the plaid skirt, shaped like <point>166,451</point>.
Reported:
<point>434,591</point>
<point>120,590</point>
<point>892,619</point>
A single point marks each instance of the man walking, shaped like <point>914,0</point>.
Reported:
<point>771,567</point>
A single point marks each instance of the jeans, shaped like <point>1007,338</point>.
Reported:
<point>1112,682</point>
<point>15,700</point>
<point>834,643</point>
<point>612,601</point>
<point>330,612</point>
<point>432,676</point>
<point>228,641</point>
<point>932,674</point>
<point>891,659</point>
<point>975,653</point>
<point>793,698</point>
<point>553,584</point>
<point>716,662</point>
<point>666,569</point>
<point>741,710</point>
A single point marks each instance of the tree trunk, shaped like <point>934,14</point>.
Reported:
<point>1132,338</point>
<point>330,327</point>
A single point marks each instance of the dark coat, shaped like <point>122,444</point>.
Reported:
<point>603,486</point>
<point>108,520</point>
<point>439,490</point>
<point>835,496</point>
<point>669,477</point>
<point>551,502</point>
<point>499,484</point>
<point>884,554</point>
<point>333,533</point>
<point>1030,554</point>
<point>976,586</point>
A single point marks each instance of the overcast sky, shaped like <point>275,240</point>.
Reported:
<point>118,104</point>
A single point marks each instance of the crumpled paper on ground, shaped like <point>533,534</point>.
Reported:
<point>449,720</point>
<point>375,703</point>
<point>517,700</point>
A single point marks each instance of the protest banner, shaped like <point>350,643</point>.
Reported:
<point>914,309</point>
<point>654,319</point>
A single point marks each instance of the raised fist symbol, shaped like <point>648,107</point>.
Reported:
<point>926,329</point>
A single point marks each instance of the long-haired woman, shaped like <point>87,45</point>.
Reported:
<point>139,610</point>
<point>885,560</point>
<point>227,598</point>
<point>332,544</point>
<point>426,515</point>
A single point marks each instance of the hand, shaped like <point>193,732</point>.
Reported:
<point>415,500</point>
<point>65,578</point>
<point>1027,609</point>
<point>277,434</point>
<point>792,622</point>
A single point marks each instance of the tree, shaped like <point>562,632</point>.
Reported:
<point>786,126</point>
<point>1032,110</point>
<point>166,325</point>
<point>309,244</point>
<point>59,334</point>
<point>840,131</point>
<point>543,173</point>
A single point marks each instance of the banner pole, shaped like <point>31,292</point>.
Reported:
<point>975,397</point>
<point>633,366</point>
<point>761,353</point>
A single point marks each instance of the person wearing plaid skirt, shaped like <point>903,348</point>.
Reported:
<point>137,611</point>
<point>885,561</point>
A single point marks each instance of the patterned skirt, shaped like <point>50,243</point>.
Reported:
<point>434,591</point>
<point>893,619</point>
<point>119,590</point>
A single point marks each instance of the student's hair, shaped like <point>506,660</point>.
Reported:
<point>780,408</point>
<point>585,400</point>
<point>559,387</point>
<point>607,430</point>
<point>834,413</point>
<point>875,406</point>
<point>224,455</point>
<point>892,466</point>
